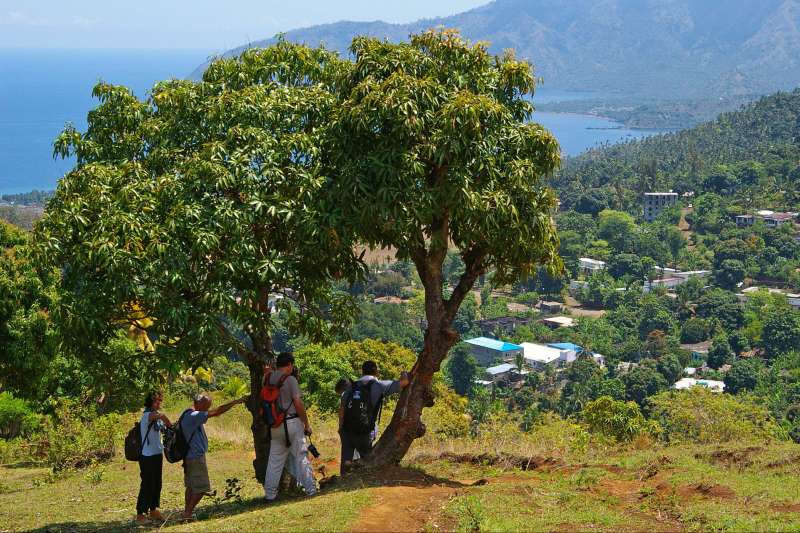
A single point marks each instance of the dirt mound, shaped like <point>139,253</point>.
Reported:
<point>707,490</point>
<point>785,462</point>
<point>786,507</point>
<point>653,468</point>
<point>731,458</point>
<point>490,459</point>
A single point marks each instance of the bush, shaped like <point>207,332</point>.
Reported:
<point>699,415</point>
<point>16,417</point>
<point>447,417</point>
<point>224,369</point>
<point>694,330</point>
<point>622,421</point>
<point>75,437</point>
<point>235,388</point>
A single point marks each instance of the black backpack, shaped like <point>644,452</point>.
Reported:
<point>359,413</point>
<point>176,445</point>
<point>134,442</point>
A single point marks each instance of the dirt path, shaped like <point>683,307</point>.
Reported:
<point>404,509</point>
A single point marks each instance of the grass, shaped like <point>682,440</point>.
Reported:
<point>581,486</point>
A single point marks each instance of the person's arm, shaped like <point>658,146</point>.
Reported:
<point>224,408</point>
<point>341,413</point>
<point>155,416</point>
<point>301,413</point>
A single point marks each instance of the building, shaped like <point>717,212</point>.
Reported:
<point>655,202</point>
<point>792,299</point>
<point>538,356</point>
<point>501,373</point>
<point>587,266</point>
<point>771,219</point>
<point>710,384</point>
<point>550,308</point>
<point>487,351</point>
<point>558,322</point>
<point>504,324</point>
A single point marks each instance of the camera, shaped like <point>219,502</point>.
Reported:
<point>313,450</point>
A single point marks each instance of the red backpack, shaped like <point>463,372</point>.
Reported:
<point>271,412</point>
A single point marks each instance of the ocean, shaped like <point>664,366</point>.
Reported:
<point>41,90</point>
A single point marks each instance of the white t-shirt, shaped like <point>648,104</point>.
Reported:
<point>152,445</point>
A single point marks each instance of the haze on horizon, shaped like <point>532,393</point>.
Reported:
<point>190,24</point>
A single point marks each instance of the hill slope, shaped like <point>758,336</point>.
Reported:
<point>763,138</point>
<point>658,48</point>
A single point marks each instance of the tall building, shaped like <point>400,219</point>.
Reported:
<point>655,202</point>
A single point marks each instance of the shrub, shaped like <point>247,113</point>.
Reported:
<point>236,387</point>
<point>75,437</point>
<point>699,415</point>
<point>447,417</point>
<point>16,417</point>
<point>616,419</point>
<point>223,369</point>
<point>694,330</point>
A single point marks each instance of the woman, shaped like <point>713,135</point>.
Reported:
<point>151,459</point>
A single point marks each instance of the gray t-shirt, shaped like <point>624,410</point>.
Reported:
<point>290,390</point>
<point>192,423</point>
<point>380,388</point>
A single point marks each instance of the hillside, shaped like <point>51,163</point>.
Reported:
<point>659,48</point>
<point>763,136</point>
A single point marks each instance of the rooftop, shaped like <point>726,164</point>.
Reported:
<point>688,383</point>
<point>540,353</point>
<point>561,321</point>
<point>494,344</point>
<point>565,346</point>
<point>501,369</point>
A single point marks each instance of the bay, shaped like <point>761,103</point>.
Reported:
<point>41,90</point>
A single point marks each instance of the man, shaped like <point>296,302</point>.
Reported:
<point>290,438</point>
<point>195,470</point>
<point>358,411</point>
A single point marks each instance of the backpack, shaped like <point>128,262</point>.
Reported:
<point>359,415</point>
<point>176,446</point>
<point>271,413</point>
<point>134,442</point>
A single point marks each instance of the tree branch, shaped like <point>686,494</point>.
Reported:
<point>474,268</point>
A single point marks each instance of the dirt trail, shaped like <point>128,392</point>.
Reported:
<point>404,509</point>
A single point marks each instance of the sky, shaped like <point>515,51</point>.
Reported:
<point>214,25</point>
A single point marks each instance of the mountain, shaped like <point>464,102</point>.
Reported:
<point>656,48</point>
<point>754,151</point>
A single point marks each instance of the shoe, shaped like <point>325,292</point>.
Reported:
<point>156,515</point>
<point>141,519</point>
<point>269,501</point>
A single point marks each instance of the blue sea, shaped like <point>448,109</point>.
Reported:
<point>42,90</point>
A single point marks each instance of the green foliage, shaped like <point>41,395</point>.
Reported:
<point>643,382</point>
<point>225,369</point>
<point>235,387</point>
<point>781,332</point>
<point>76,437</point>
<point>699,415</point>
<point>585,382</point>
<point>743,375</point>
<point>670,367</point>
<point>616,419</point>
<point>730,273</point>
<point>461,369</point>
<point>720,352</point>
<point>17,418</point>
<point>694,330</point>
<point>448,417</point>
<point>387,323</point>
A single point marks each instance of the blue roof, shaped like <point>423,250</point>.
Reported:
<point>566,346</point>
<point>494,344</point>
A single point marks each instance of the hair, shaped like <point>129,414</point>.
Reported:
<point>150,399</point>
<point>201,397</point>
<point>369,368</point>
<point>342,385</point>
<point>284,359</point>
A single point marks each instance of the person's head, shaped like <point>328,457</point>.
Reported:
<point>153,400</point>
<point>369,368</point>
<point>285,362</point>
<point>202,402</point>
<point>342,385</point>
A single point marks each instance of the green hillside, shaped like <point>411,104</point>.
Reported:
<point>753,152</point>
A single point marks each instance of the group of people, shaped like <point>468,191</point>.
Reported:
<point>359,411</point>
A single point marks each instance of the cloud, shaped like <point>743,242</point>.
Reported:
<point>22,18</point>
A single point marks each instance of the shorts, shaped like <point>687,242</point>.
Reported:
<point>195,475</point>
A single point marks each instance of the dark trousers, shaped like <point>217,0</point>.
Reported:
<point>352,442</point>
<point>150,488</point>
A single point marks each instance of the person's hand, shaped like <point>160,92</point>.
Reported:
<point>243,399</point>
<point>308,431</point>
<point>405,378</point>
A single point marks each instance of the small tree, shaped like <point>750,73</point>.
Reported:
<point>720,352</point>
<point>743,376</point>
<point>462,369</point>
<point>433,151</point>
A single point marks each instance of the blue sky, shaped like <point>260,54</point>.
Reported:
<point>213,25</point>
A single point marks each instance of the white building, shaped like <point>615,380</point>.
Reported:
<point>538,356</point>
<point>500,372</point>
<point>589,266</point>
<point>710,384</point>
<point>655,202</point>
<point>791,298</point>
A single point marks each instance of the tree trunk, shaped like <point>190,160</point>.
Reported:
<point>262,348</point>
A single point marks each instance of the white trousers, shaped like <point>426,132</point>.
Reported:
<point>279,452</point>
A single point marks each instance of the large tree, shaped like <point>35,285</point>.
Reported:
<point>433,151</point>
<point>191,213</point>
